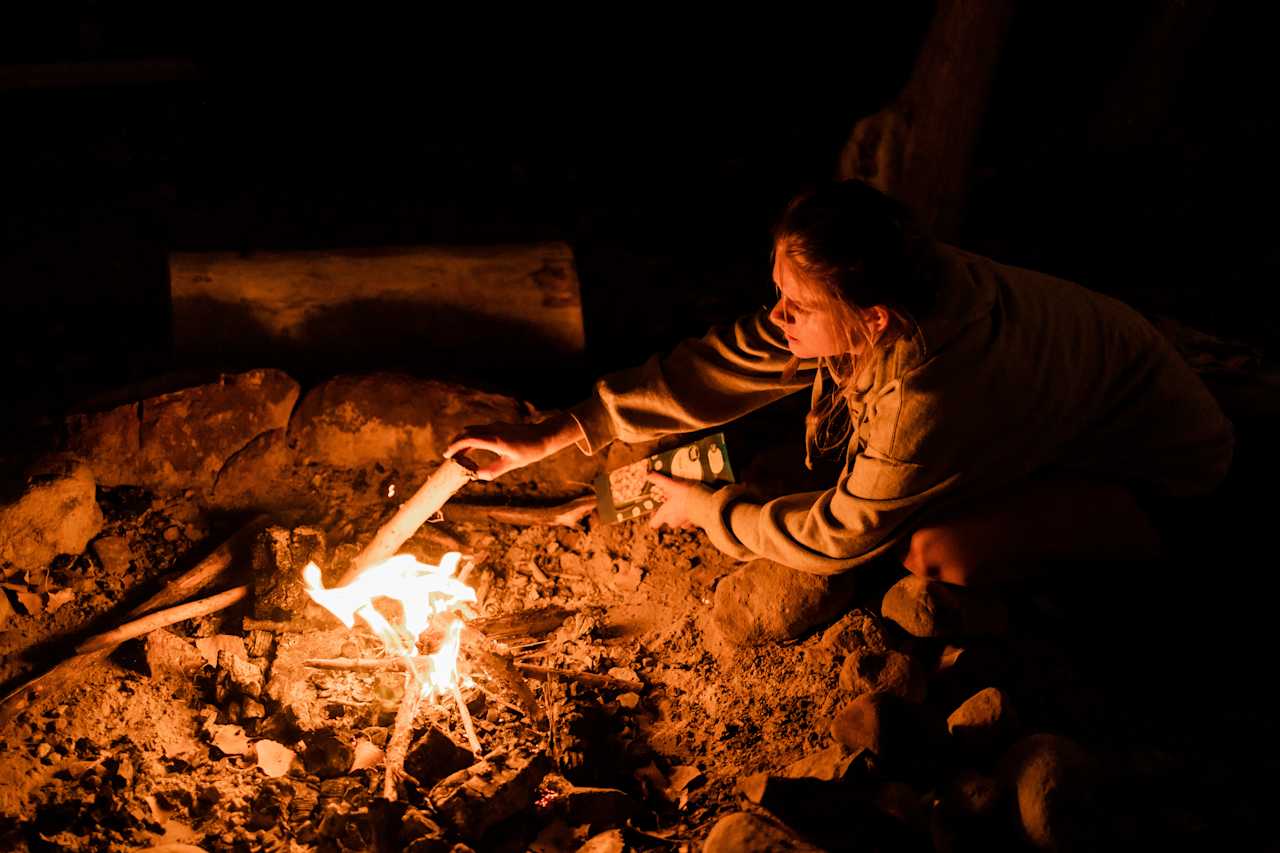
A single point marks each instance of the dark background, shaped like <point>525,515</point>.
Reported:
<point>660,147</point>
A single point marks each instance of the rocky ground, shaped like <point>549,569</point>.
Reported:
<point>1091,712</point>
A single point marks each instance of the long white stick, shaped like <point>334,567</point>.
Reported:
<point>443,483</point>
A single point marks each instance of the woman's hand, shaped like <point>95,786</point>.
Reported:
<point>678,498</point>
<point>516,445</point>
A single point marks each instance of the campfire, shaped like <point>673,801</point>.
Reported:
<point>427,597</point>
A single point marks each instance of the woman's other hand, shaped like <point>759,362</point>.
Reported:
<point>515,445</point>
<point>678,498</point>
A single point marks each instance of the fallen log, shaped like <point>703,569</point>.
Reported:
<point>70,672</point>
<point>443,483</point>
<point>567,514</point>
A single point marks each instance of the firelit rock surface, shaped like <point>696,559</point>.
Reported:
<point>1055,782</point>
<point>744,832</point>
<point>926,608</point>
<point>55,511</point>
<point>399,421</point>
<point>983,720</point>
<point>867,671</point>
<point>765,601</point>
<point>181,440</point>
<point>392,419</point>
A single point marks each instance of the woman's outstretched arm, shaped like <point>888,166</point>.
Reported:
<point>703,382</point>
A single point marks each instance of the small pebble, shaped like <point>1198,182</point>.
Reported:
<point>43,749</point>
<point>630,701</point>
<point>624,674</point>
<point>171,534</point>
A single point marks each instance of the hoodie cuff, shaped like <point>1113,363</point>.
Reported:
<point>711,511</point>
<point>597,428</point>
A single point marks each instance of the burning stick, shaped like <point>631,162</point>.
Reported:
<point>591,679</point>
<point>402,731</point>
<point>443,483</point>
<point>467,725</point>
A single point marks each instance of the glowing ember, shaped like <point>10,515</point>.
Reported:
<point>423,591</point>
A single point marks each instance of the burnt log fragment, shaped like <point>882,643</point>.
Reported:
<point>474,800</point>
<point>279,593</point>
<point>433,756</point>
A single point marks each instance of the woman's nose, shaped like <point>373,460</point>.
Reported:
<point>779,315</point>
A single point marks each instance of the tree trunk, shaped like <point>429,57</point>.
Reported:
<point>919,148</point>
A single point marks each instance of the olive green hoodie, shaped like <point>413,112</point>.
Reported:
<point>1011,373</point>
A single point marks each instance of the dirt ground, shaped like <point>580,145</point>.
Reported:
<point>644,597</point>
<point>139,755</point>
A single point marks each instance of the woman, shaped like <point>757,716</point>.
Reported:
<point>992,418</point>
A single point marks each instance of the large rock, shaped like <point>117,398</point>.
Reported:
<point>926,608</point>
<point>744,832</point>
<point>878,722</point>
<point>478,310</point>
<point>389,418</point>
<point>400,421</point>
<point>1054,781</point>
<point>765,601</point>
<point>833,764</point>
<point>54,511</point>
<point>856,630</point>
<point>181,440</point>
<point>257,476</point>
<point>867,671</point>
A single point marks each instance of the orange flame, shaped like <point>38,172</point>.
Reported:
<point>423,591</point>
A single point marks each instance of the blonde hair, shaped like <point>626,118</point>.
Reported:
<point>827,424</point>
<point>856,249</point>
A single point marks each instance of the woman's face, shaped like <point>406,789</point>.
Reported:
<point>812,329</point>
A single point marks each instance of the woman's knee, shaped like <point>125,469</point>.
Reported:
<point>937,553</point>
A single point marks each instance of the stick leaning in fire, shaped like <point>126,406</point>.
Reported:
<point>443,484</point>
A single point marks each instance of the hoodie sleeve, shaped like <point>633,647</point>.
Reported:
<point>878,499</point>
<point>822,532</point>
<point>703,382</point>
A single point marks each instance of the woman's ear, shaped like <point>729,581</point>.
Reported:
<point>877,317</point>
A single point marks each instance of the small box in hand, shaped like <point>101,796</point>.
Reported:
<point>626,493</point>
